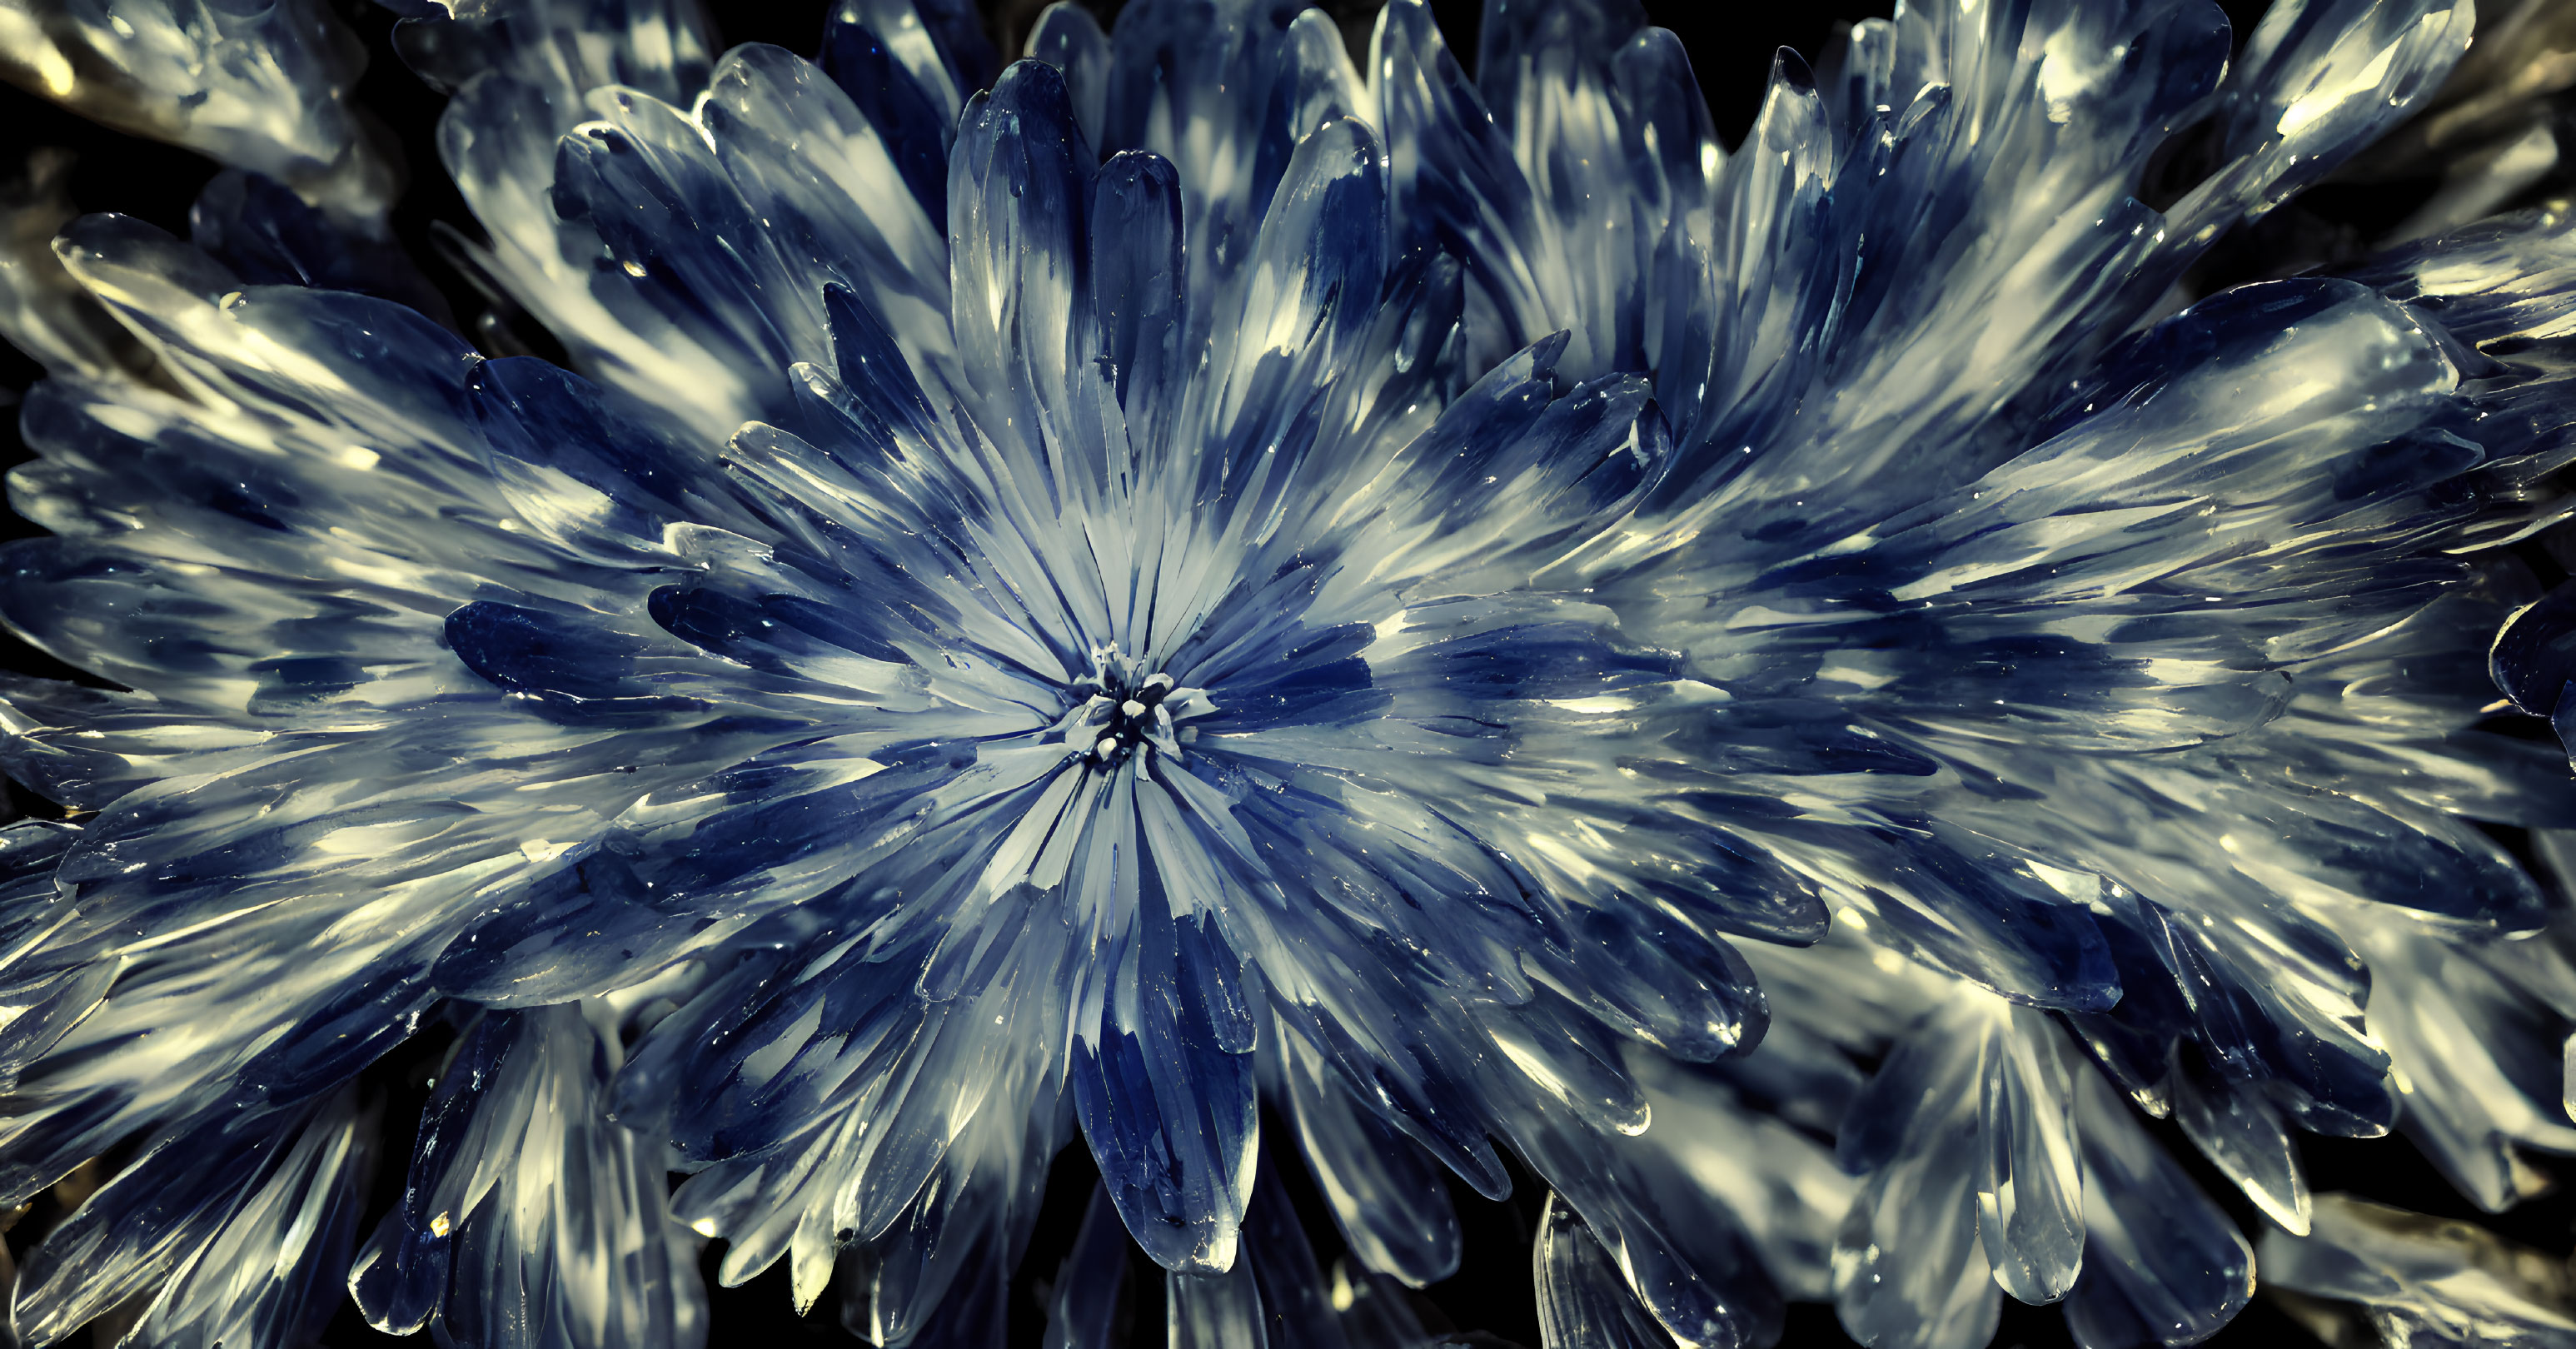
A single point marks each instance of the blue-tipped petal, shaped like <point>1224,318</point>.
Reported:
<point>1068,38</point>
<point>907,117</point>
<point>1170,1115</point>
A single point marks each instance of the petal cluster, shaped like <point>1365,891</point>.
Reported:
<point>1258,614</point>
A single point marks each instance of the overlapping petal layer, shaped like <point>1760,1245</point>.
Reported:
<point>1176,576</point>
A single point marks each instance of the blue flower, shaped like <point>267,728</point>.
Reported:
<point>1090,596</point>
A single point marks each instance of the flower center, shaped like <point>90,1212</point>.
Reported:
<point>1118,710</point>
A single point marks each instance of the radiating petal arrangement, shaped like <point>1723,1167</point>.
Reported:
<point>1247,614</point>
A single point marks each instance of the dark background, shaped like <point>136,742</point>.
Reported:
<point>1490,1301</point>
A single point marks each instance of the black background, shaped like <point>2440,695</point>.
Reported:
<point>1490,1300</point>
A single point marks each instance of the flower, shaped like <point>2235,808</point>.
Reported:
<point>1093,595</point>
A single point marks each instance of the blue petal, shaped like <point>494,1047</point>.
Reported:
<point>1452,182</point>
<point>571,667</point>
<point>915,127</point>
<point>1385,1192</point>
<point>1971,909</point>
<point>270,236</point>
<point>1140,288</point>
<point>1194,81</point>
<point>544,425</point>
<point>148,1229</point>
<point>2329,1078</point>
<point>526,1206</point>
<point>1068,38</point>
<point>872,368</point>
<point>1553,77</point>
<point>678,237</point>
<point>2534,658</point>
<point>2162,1264</point>
<point>938,44</point>
<point>401,1276</point>
<point>830,198</point>
<point>1169,1112</point>
<point>1316,274</point>
<point>1582,1296</point>
<point>1019,182</point>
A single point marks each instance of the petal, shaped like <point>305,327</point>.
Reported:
<point>1067,37</point>
<point>175,74</point>
<point>1170,1117</point>
<point>269,1275</point>
<point>2242,1135</point>
<point>2161,1262</point>
<point>1140,290</point>
<point>678,241</point>
<point>1197,83</point>
<point>906,94</point>
<point>2029,1194</point>
<point>1453,184</point>
<point>1549,75</point>
<point>268,235</point>
<point>1582,1300</point>
<point>2482,1063</point>
<point>1019,183</point>
<point>1908,1266</point>
<point>1307,297</point>
<point>216,1225</point>
<point>1777,1180</point>
<point>1685,1258</point>
<point>822,177</point>
<point>2317,81</point>
<point>2429,1277</point>
<point>1386,1195</point>
<point>1082,1311</point>
<point>540,1211</point>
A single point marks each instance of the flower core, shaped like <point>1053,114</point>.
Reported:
<point>1116,712</point>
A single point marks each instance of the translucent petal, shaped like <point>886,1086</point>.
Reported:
<point>1385,1194</point>
<point>2030,1201</point>
<point>1607,126</point>
<point>1195,83</point>
<point>270,1274</point>
<point>2316,81</point>
<point>530,1218</point>
<point>1778,1181</point>
<point>821,177</point>
<point>1454,184</point>
<point>1140,291</point>
<point>1067,37</point>
<point>1274,1294</point>
<point>2476,1060</point>
<point>2162,1264</point>
<point>43,311</point>
<point>262,87</point>
<point>1908,1267</point>
<point>2423,1280</point>
<point>218,1222</point>
<point>268,235</point>
<point>1582,1301</point>
<point>1683,1254</point>
<point>1170,1116</point>
<point>2242,1135</point>
<point>1026,340</point>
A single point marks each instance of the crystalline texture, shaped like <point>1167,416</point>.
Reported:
<point>1102,595</point>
